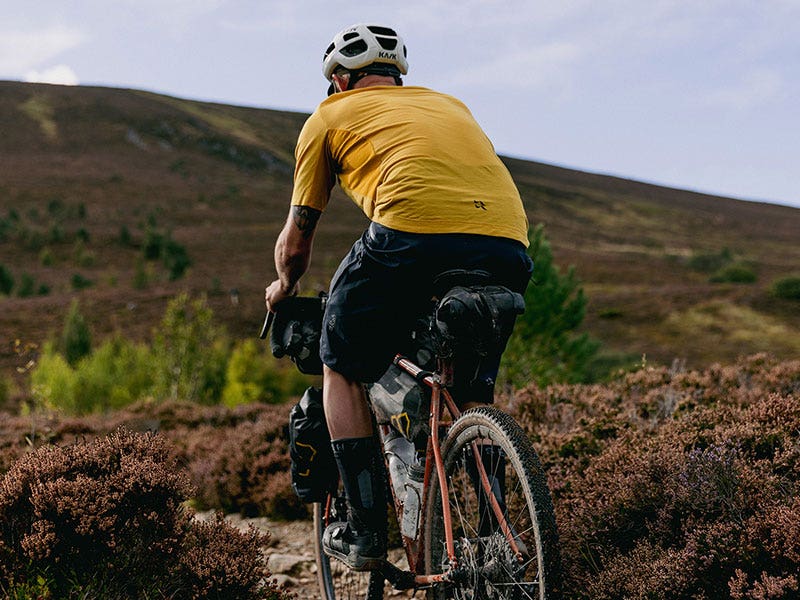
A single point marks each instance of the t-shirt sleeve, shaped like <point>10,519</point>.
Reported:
<point>314,175</point>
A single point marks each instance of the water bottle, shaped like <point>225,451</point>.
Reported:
<point>409,526</point>
<point>400,455</point>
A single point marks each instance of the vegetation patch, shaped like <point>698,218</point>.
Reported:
<point>733,325</point>
<point>106,519</point>
<point>787,288</point>
<point>38,108</point>
<point>671,484</point>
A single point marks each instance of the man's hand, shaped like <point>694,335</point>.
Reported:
<point>275,292</point>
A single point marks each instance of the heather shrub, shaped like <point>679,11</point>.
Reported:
<point>673,484</point>
<point>105,519</point>
<point>244,468</point>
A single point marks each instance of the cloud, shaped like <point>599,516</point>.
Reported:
<point>754,90</point>
<point>21,51</point>
<point>522,68</point>
<point>59,74</point>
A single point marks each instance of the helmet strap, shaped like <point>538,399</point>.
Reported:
<point>358,74</point>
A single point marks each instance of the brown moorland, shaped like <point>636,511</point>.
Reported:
<point>89,175</point>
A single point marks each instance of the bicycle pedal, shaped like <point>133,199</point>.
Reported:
<point>399,579</point>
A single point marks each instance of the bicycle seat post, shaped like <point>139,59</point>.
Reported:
<point>445,368</point>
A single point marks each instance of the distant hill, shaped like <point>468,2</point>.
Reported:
<point>91,177</point>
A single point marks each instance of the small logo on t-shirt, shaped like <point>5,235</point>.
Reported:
<point>480,204</point>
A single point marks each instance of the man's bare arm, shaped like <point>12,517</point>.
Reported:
<point>305,218</point>
<point>292,253</point>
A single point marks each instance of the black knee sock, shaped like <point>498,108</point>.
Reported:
<point>362,471</point>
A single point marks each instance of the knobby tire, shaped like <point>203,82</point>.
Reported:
<point>488,567</point>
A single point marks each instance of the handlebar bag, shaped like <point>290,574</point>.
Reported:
<point>296,332</point>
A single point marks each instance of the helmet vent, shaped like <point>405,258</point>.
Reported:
<point>329,50</point>
<point>354,49</point>
<point>349,36</point>
<point>377,30</point>
<point>387,43</point>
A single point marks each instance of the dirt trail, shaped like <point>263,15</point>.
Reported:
<point>290,554</point>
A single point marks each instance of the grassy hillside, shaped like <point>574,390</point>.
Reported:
<point>89,176</point>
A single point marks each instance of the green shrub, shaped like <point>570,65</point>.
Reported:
<point>53,382</point>
<point>709,262</point>
<point>735,273</point>
<point>787,288</point>
<point>544,346</point>
<point>6,227</point>
<point>175,259</point>
<point>79,282</point>
<point>191,352</point>
<point>115,375</point>
<point>6,280</point>
<point>46,257</point>
<point>254,375</point>
<point>56,234</point>
<point>76,339</point>
<point>142,275</point>
<point>27,286</point>
<point>158,245</point>
<point>124,237</point>
<point>80,255</point>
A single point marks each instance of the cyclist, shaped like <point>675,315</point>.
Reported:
<point>438,198</point>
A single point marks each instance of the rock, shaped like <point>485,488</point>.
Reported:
<point>289,564</point>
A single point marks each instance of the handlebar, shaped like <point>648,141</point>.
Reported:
<point>270,316</point>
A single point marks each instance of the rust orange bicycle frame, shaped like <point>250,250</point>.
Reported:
<point>441,399</point>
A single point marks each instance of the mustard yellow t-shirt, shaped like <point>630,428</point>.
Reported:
<point>413,159</point>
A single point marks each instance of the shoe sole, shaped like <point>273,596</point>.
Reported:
<point>356,563</point>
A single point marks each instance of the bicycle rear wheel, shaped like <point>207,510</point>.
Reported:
<point>488,568</point>
<point>336,581</point>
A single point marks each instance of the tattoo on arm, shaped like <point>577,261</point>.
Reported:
<point>306,219</point>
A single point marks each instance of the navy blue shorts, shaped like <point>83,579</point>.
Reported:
<point>386,281</point>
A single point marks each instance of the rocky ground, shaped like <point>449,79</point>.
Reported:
<point>290,554</point>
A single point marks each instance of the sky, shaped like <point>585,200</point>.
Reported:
<point>694,94</point>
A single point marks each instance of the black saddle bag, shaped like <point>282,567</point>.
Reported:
<point>314,471</point>
<point>478,318</point>
<point>472,325</point>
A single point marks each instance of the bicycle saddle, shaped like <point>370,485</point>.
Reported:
<point>447,280</point>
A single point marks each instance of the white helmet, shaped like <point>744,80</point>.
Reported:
<point>362,45</point>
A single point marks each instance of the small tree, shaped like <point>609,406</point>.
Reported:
<point>6,280</point>
<point>76,339</point>
<point>544,346</point>
<point>190,351</point>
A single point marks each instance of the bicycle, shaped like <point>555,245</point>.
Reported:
<point>495,536</point>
